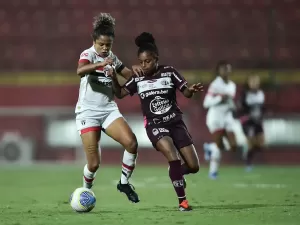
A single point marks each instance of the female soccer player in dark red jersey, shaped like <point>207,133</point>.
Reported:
<point>252,110</point>
<point>162,116</point>
<point>96,109</point>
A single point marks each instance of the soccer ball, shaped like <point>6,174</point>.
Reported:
<point>83,200</point>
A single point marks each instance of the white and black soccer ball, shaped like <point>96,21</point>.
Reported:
<point>83,200</point>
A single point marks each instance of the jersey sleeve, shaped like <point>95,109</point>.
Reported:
<point>131,85</point>
<point>178,80</point>
<point>212,97</point>
<point>119,66</point>
<point>233,90</point>
<point>86,57</point>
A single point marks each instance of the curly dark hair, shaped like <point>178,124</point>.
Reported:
<point>146,43</point>
<point>104,24</point>
<point>220,64</point>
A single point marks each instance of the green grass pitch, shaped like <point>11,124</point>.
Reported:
<point>39,195</point>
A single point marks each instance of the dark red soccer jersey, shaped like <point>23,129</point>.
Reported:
<point>158,94</point>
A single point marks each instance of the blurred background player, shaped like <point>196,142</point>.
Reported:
<point>251,107</point>
<point>162,116</point>
<point>96,108</point>
<point>219,101</point>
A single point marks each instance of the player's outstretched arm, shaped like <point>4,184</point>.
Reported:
<point>118,90</point>
<point>136,70</point>
<point>189,91</point>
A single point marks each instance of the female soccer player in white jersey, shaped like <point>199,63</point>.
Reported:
<point>219,120</point>
<point>96,109</point>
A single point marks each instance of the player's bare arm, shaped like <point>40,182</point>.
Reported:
<point>86,67</point>
<point>136,69</point>
<point>189,91</point>
<point>118,90</point>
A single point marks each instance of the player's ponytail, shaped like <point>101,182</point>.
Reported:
<point>146,43</point>
<point>104,24</point>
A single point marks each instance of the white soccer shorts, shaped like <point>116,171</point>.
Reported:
<point>94,121</point>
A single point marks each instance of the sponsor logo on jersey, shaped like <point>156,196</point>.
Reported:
<point>167,118</point>
<point>84,54</point>
<point>160,105</point>
<point>167,74</point>
<point>150,93</point>
<point>165,82</point>
<point>157,84</point>
<point>138,79</point>
<point>156,131</point>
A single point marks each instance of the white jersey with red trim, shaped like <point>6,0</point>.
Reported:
<point>213,99</point>
<point>95,92</point>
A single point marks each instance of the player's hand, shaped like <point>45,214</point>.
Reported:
<point>196,87</point>
<point>225,98</point>
<point>112,72</point>
<point>107,61</point>
<point>137,70</point>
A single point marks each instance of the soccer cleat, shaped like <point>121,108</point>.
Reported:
<point>213,176</point>
<point>207,151</point>
<point>184,206</point>
<point>129,190</point>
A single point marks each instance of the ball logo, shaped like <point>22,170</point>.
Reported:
<point>106,70</point>
<point>160,105</point>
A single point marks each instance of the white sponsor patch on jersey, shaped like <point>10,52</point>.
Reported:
<point>150,85</point>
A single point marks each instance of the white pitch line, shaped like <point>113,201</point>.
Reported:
<point>261,186</point>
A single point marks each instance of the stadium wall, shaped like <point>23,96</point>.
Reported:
<point>27,109</point>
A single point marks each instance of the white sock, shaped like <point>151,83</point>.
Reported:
<point>88,177</point>
<point>213,166</point>
<point>215,159</point>
<point>128,165</point>
<point>245,149</point>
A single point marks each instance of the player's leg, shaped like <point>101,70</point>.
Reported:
<point>230,124</point>
<point>166,146</point>
<point>217,129</point>
<point>260,140</point>
<point>230,135</point>
<point>184,144</point>
<point>250,153</point>
<point>256,141</point>
<point>215,153</point>
<point>190,158</point>
<point>249,131</point>
<point>90,135</point>
<point>118,129</point>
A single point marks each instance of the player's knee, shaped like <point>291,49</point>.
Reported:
<point>131,144</point>
<point>260,144</point>
<point>93,166</point>
<point>91,149</point>
<point>234,148</point>
<point>194,168</point>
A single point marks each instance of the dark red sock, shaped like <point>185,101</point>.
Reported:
<point>176,177</point>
